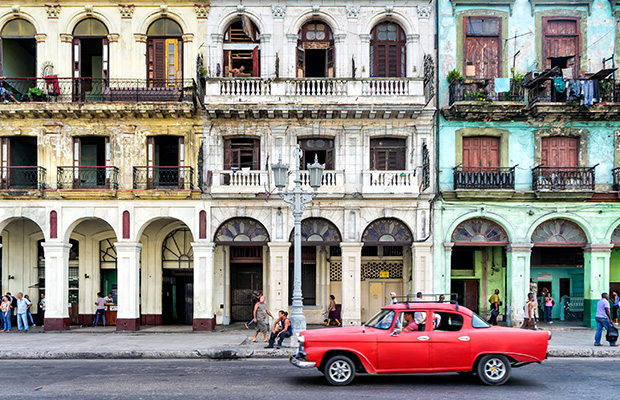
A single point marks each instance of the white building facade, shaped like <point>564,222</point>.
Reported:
<point>142,165</point>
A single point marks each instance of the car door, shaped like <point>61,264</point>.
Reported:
<point>407,351</point>
<point>450,345</point>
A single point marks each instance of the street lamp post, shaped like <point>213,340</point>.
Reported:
<point>297,198</point>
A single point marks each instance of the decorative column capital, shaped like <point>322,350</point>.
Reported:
<point>202,10</point>
<point>140,37</point>
<point>340,37</point>
<point>203,245</point>
<point>265,38</point>
<point>448,246</point>
<point>351,246</point>
<point>187,37</point>
<point>598,248</point>
<point>66,37</point>
<point>365,38</point>
<point>113,37</point>
<point>53,11</point>
<point>40,37</point>
<point>413,38</point>
<point>519,247</point>
<point>126,10</point>
<point>278,11</point>
<point>217,38</point>
<point>283,246</point>
<point>128,246</point>
<point>292,37</point>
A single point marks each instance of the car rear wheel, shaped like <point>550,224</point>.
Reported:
<point>493,369</point>
<point>339,370</point>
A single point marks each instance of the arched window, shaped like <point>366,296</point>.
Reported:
<point>479,232</point>
<point>241,231</point>
<point>387,231</point>
<point>164,57</point>
<point>18,52</point>
<point>559,232</point>
<point>91,56</point>
<point>318,232</point>
<point>177,251</point>
<point>241,49</point>
<point>315,51</point>
<point>388,53</point>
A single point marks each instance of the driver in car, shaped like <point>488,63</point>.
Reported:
<point>410,323</point>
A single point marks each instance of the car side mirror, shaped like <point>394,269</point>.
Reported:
<point>396,332</point>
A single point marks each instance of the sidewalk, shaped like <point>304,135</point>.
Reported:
<point>227,342</point>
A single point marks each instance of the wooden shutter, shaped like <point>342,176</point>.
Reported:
<point>77,68</point>
<point>256,155</point>
<point>329,160</point>
<point>560,151</point>
<point>330,70</point>
<point>77,156</point>
<point>4,154</point>
<point>181,162</point>
<point>150,160</point>
<point>255,62</point>
<point>562,38</point>
<point>481,151</point>
<point>388,154</point>
<point>106,61</point>
<point>483,48</point>
<point>301,62</point>
<point>227,63</point>
<point>107,160</point>
<point>227,155</point>
<point>156,61</point>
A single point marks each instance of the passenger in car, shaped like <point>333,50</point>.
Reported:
<point>410,325</point>
<point>436,320</point>
<point>420,318</point>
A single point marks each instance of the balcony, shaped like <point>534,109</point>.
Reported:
<point>239,181</point>
<point>477,178</point>
<point>394,182</point>
<point>477,99</point>
<point>65,97</point>
<point>87,178</point>
<point>314,97</point>
<point>332,182</point>
<point>22,178</point>
<point>163,178</point>
<point>563,178</point>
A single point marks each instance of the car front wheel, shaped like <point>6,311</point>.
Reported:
<point>493,370</point>
<point>339,370</point>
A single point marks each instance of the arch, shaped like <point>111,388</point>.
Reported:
<point>241,231</point>
<point>164,26</point>
<point>309,15</point>
<point>387,231</point>
<point>69,231</point>
<point>245,39</point>
<point>479,232</point>
<point>582,223</point>
<point>396,17</point>
<point>6,18</point>
<point>187,222</point>
<point>318,232</point>
<point>18,28</point>
<point>559,232</point>
<point>503,223</point>
<point>615,236</point>
<point>388,50</point>
<point>4,223</point>
<point>82,15</point>
<point>154,16</point>
<point>230,17</point>
<point>90,27</point>
<point>177,248</point>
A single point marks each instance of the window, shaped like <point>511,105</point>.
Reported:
<point>388,52</point>
<point>164,60</point>
<point>412,321</point>
<point>242,153</point>
<point>559,151</point>
<point>483,50</point>
<point>447,322</point>
<point>242,49</point>
<point>308,275</point>
<point>478,322</point>
<point>387,154</point>
<point>561,43</point>
<point>382,320</point>
<point>18,53</point>
<point>481,151</point>
<point>315,51</point>
<point>90,54</point>
<point>322,149</point>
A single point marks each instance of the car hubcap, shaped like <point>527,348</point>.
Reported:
<point>495,369</point>
<point>340,371</point>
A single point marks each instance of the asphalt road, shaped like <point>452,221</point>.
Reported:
<point>276,379</point>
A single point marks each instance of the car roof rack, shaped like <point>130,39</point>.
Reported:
<point>451,298</point>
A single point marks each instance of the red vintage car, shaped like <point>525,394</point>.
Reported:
<point>421,337</point>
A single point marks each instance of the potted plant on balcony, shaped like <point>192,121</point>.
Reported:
<point>454,75</point>
<point>36,94</point>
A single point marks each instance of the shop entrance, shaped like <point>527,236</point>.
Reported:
<point>178,297</point>
<point>246,281</point>
<point>467,291</point>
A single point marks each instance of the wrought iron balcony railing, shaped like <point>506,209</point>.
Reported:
<point>483,90</point>
<point>165,178</point>
<point>88,90</point>
<point>484,177</point>
<point>543,91</point>
<point>22,178</point>
<point>86,177</point>
<point>562,178</point>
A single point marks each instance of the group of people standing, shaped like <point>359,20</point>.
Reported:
<point>281,329</point>
<point>532,307</point>
<point>16,309</point>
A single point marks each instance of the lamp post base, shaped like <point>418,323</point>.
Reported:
<point>298,320</point>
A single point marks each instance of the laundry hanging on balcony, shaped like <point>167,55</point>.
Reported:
<point>559,84</point>
<point>502,85</point>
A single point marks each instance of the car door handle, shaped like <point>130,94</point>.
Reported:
<point>465,338</point>
<point>423,337</point>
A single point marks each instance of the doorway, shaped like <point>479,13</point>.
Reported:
<point>246,281</point>
<point>315,63</point>
<point>178,297</point>
<point>90,153</point>
<point>165,159</point>
<point>467,291</point>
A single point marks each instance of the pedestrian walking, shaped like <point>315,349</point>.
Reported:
<point>100,303</point>
<point>529,320</point>
<point>542,304</point>
<point>549,304</point>
<point>615,305</point>
<point>332,312</point>
<point>533,292</point>
<point>603,319</point>
<point>5,313</point>
<point>23,305</point>
<point>254,301</point>
<point>495,302</point>
<point>30,319</point>
<point>260,316</point>
<point>41,310</point>
<point>282,329</point>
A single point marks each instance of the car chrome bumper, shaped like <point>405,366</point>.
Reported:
<point>301,363</point>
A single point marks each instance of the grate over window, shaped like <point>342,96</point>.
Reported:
<point>376,270</point>
<point>335,271</point>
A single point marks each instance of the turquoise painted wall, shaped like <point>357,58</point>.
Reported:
<point>576,284</point>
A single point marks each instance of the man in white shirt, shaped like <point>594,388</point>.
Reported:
<point>22,312</point>
<point>100,303</point>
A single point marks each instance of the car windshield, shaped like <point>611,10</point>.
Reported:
<point>382,320</point>
<point>478,322</point>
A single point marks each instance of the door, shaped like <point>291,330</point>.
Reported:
<point>405,352</point>
<point>246,282</point>
<point>450,342</point>
<point>164,62</point>
<point>483,46</point>
<point>562,40</point>
<point>560,151</point>
<point>467,290</point>
<point>564,289</point>
<point>481,151</point>
<point>177,297</point>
